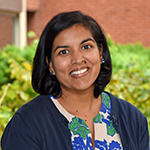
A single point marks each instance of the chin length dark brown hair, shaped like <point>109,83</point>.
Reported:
<point>45,83</point>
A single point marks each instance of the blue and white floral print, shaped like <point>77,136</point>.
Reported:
<point>106,137</point>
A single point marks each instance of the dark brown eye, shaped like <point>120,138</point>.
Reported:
<point>63,52</point>
<point>86,47</point>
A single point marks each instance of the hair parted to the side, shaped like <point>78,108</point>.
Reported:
<point>45,83</point>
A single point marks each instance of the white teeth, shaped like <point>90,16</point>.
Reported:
<point>79,71</point>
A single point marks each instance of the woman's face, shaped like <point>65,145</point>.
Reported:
<point>76,59</point>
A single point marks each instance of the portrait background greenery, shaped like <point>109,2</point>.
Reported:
<point>130,79</point>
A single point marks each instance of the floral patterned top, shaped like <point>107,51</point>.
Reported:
<point>106,137</point>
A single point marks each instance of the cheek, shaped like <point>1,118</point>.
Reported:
<point>95,58</point>
<point>60,66</point>
<point>96,62</point>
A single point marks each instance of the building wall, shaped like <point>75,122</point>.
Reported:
<point>32,5</point>
<point>8,10</point>
<point>10,5</point>
<point>126,21</point>
<point>6,30</point>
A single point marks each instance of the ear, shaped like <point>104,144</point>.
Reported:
<point>51,68</point>
<point>101,50</point>
<point>101,53</point>
<point>50,64</point>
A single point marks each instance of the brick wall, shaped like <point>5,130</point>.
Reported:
<point>8,9</point>
<point>32,5</point>
<point>6,30</point>
<point>11,5</point>
<point>126,21</point>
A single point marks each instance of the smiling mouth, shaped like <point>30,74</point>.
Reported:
<point>79,71</point>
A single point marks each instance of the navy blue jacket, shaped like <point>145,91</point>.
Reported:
<point>38,125</point>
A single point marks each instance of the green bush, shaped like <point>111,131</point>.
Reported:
<point>130,79</point>
<point>16,86</point>
<point>131,75</point>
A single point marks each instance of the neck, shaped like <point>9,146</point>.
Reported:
<point>79,101</point>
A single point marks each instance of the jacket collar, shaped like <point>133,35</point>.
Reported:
<point>117,114</point>
<point>57,114</point>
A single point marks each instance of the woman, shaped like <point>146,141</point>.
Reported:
<point>71,68</point>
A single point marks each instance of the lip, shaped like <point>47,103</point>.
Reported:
<point>79,72</point>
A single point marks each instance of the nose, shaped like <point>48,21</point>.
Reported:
<point>77,58</point>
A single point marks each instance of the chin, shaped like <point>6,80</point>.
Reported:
<point>84,87</point>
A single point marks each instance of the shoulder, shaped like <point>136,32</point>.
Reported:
<point>40,108</point>
<point>130,123</point>
<point>37,109</point>
<point>123,108</point>
<point>35,104</point>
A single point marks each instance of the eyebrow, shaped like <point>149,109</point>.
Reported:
<point>89,39</point>
<point>65,46</point>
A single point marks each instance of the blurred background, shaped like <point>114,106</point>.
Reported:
<point>126,21</point>
<point>126,24</point>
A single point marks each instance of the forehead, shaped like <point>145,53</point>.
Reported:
<point>73,33</point>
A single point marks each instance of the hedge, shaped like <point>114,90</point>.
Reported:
<point>130,79</point>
